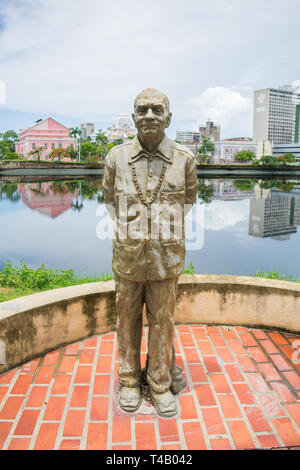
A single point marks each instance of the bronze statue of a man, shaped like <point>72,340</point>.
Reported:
<point>148,184</point>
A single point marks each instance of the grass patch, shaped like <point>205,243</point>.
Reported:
<point>16,281</point>
<point>276,275</point>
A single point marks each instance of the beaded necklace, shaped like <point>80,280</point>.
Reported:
<point>144,200</point>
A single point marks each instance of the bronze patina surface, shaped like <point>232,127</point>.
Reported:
<point>149,185</point>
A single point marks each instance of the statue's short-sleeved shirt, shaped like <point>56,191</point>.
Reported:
<point>149,238</point>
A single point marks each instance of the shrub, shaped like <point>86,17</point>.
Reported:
<point>91,161</point>
<point>269,160</point>
<point>189,269</point>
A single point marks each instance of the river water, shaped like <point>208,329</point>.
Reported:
<point>237,226</point>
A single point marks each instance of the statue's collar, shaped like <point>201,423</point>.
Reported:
<point>163,150</point>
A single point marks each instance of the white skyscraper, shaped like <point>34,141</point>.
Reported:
<point>276,115</point>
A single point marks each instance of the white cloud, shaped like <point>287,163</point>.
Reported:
<point>221,215</point>
<point>224,106</point>
<point>296,83</point>
<point>89,59</point>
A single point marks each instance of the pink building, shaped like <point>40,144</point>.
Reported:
<point>45,133</point>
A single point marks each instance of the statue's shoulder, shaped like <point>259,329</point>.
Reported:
<point>182,149</point>
<point>117,149</point>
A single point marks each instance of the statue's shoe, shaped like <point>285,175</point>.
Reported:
<point>130,398</point>
<point>178,381</point>
<point>178,384</point>
<point>165,403</point>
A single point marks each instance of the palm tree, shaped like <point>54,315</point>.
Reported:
<point>75,132</point>
<point>102,139</point>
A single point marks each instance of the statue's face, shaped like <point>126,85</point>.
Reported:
<point>151,115</point>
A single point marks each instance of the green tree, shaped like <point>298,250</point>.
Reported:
<point>58,154</point>
<point>245,156</point>
<point>10,192</point>
<point>244,185</point>
<point>206,192</point>
<point>91,161</point>
<point>287,158</point>
<point>207,146</point>
<point>8,141</point>
<point>269,160</point>
<point>72,152</point>
<point>4,149</point>
<point>108,147</point>
<point>204,158</point>
<point>285,186</point>
<point>268,183</point>
<point>102,140</point>
<point>37,153</point>
<point>11,137</point>
<point>119,141</point>
<point>87,149</point>
<point>75,132</point>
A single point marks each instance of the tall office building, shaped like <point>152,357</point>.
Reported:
<point>210,130</point>
<point>87,130</point>
<point>276,115</point>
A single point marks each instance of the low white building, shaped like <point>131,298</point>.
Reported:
<point>225,150</point>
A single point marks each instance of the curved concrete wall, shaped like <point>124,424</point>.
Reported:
<point>35,324</point>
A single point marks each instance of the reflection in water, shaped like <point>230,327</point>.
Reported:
<point>43,198</point>
<point>9,192</point>
<point>55,197</point>
<point>275,214</point>
<point>243,219</point>
<point>274,203</point>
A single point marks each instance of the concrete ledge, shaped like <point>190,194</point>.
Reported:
<point>38,323</point>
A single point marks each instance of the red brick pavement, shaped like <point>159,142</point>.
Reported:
<point>243,393</point>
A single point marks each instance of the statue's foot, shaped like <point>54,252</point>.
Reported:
<point>130,398</point>
<point>178,381</point>
<point>165,403</point>
<point>178,384</point>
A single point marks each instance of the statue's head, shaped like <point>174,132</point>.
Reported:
<point>151,113</point>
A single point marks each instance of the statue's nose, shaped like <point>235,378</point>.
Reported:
<point>149,114</point>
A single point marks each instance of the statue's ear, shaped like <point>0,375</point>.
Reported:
<point>169,119</point>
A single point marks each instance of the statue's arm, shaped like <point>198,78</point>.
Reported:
<point>108,185</point>
<point>191,183</point>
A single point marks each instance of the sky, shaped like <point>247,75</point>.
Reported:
<point>86,61</point>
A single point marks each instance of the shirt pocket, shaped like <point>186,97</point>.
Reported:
<point>127,258</point>
<point>173,254</point>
